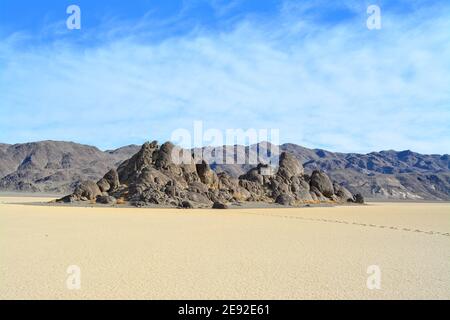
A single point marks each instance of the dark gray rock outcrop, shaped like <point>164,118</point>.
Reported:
<point>219,205</point>
<point>85,191</point>
<point>106,200</point>
<point>152,177</point>
<point>322,183</point>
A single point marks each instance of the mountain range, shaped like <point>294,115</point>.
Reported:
<point>57,167</point>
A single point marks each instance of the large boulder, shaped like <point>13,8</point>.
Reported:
<point>104,185</point>
<point>87,190</point>
<point>186,204</point>
<point>198,198</point>
<point>322,183</point>
<point>68,199</point>
<point>240,194</point>
<point>358,198</point>
<point>285,200</point>
<point>342,193</point>
<point>163,156</point>
<point>109,182</point>
<point>299,187</point>
<point>207,176</point>
<point>189,172</point>
<point>219,205</point>
<point>289,166</point>
<point>106,200</point>
<point>112,177</point>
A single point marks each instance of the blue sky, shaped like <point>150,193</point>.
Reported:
<point>140,70</point>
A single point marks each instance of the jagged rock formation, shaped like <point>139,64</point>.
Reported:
<point>151,177</point>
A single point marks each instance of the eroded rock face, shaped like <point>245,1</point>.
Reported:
<point>207,176</point>
<point>112,178</point>
<point>289,166</point>
<point>321,183</point>
<point>86,190</point>
<point>152,177</point>
<point>104,185</point>
<point>342,193</point>
<point>130,169</point>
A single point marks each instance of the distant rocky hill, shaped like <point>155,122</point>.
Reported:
<point>54,166</point>
<point>51,166</point>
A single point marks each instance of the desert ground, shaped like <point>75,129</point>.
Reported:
<point>282,253</point>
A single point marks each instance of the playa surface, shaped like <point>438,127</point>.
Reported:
<point>283,253</point>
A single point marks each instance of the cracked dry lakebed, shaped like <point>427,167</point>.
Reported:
<point>260,253</point>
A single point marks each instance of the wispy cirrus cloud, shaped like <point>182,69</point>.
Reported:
<point>333,85</point>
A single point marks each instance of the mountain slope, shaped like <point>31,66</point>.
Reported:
<point>53,166</point>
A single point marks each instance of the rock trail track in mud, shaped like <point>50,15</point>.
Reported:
<point>358,224</point>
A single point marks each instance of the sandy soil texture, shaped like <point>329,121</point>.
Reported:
<point>303,253</point>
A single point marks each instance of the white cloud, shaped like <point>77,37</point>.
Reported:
<point>344,88</point>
